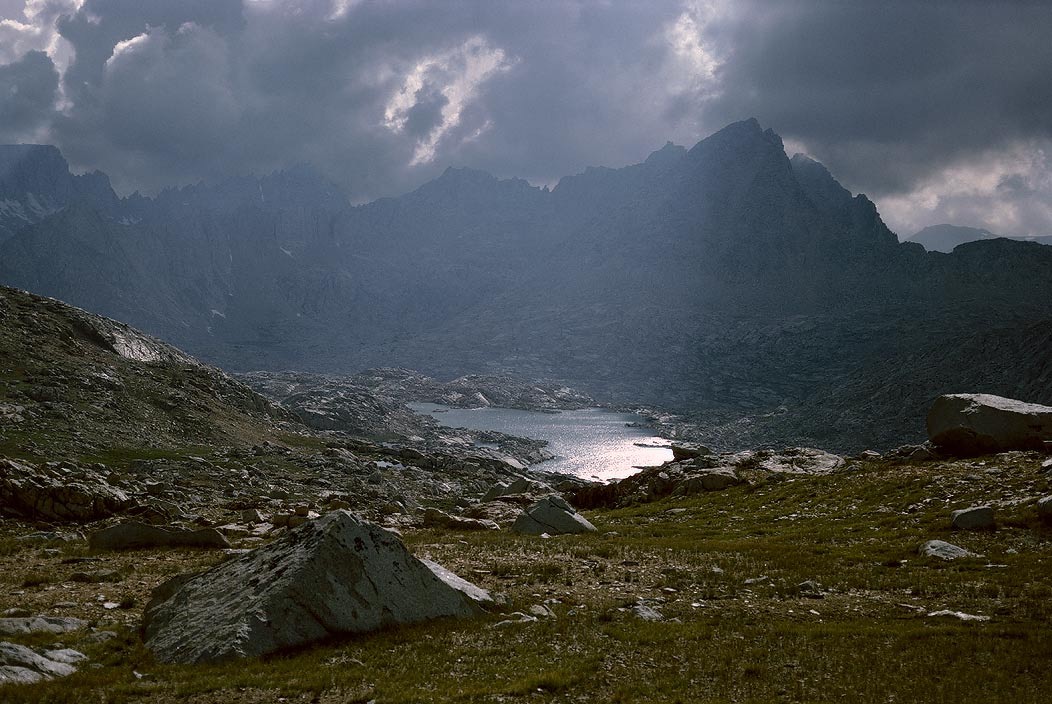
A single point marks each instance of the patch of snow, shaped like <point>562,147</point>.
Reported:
<point>39,209</point>
<point>12,208</point>
<point>135,348</point>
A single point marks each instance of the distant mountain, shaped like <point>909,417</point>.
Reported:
<point>35,182</point>
<point>944,238</point>
<point>726,278</point>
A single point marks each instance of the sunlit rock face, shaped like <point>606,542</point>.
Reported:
<point>725,279</point>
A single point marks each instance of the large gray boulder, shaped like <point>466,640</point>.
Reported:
<point>974,424</point>
<point>57,492</point>
<point>134,535</point>
<point>943,550</point>
<point>337,574</point>
<point>551,515</point>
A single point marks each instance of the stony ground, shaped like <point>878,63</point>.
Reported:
<point>719,574</point>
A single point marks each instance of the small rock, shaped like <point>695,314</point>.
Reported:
<point>645,612</point>
<point>810,589</point>
<point>541,611</point>
<point>66,655</point>
<point>974,518</point>
<point>97,577</point>
<point>252,516</point>
<point>102,636</point>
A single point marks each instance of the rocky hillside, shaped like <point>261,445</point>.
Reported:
<point>97,418</point>
<point>726,280</point>
<point>85,383</point>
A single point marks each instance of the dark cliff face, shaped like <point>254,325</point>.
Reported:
<point>35,182</point>
<point>725,276</point>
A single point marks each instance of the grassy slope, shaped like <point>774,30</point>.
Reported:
<point>855,533</point>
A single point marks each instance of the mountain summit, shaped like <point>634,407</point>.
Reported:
<point>724,279</point>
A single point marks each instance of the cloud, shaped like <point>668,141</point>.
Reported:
<point>28,90</point>
<point>902,100</point>
<point>1008,192</point>
<point>434,94</point>
<point>897,98</point>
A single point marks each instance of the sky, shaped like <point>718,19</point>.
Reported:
<point>938,111</point>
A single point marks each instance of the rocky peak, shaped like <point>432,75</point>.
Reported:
<point>35,182</point>
<point>820,186</point>
<point>667,155</point>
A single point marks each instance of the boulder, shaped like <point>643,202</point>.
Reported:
<point>57,492</point>
<point>646,612</point>
<point>943,550</point>
<point>801,460</point>
<point>134,535</point>
<point>1044,509</point>
<point>500,512</point>
<point>252,516</point>
<point>522,485</point>
<point>337,574</point>
<point>40,624</point>
<point>20,665</point>
<point>688,451</point>
<point>716,479</point>
<point>966,425</point>
<point>974,518</point>
<point>552,515</point>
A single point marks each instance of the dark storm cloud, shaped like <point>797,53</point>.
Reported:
<point>938,110</point>
<point>176,91</point>
<point>888,95</point>
<point>27,96</point>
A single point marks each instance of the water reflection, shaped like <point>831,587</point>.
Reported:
<point>590,443</point>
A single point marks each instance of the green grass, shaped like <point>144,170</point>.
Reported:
<point>723,639</point>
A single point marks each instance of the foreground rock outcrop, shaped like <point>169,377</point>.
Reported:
<point>338,574</point>
<point>966,425</point>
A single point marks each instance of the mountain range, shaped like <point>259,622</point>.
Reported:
<point>729,282</point>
